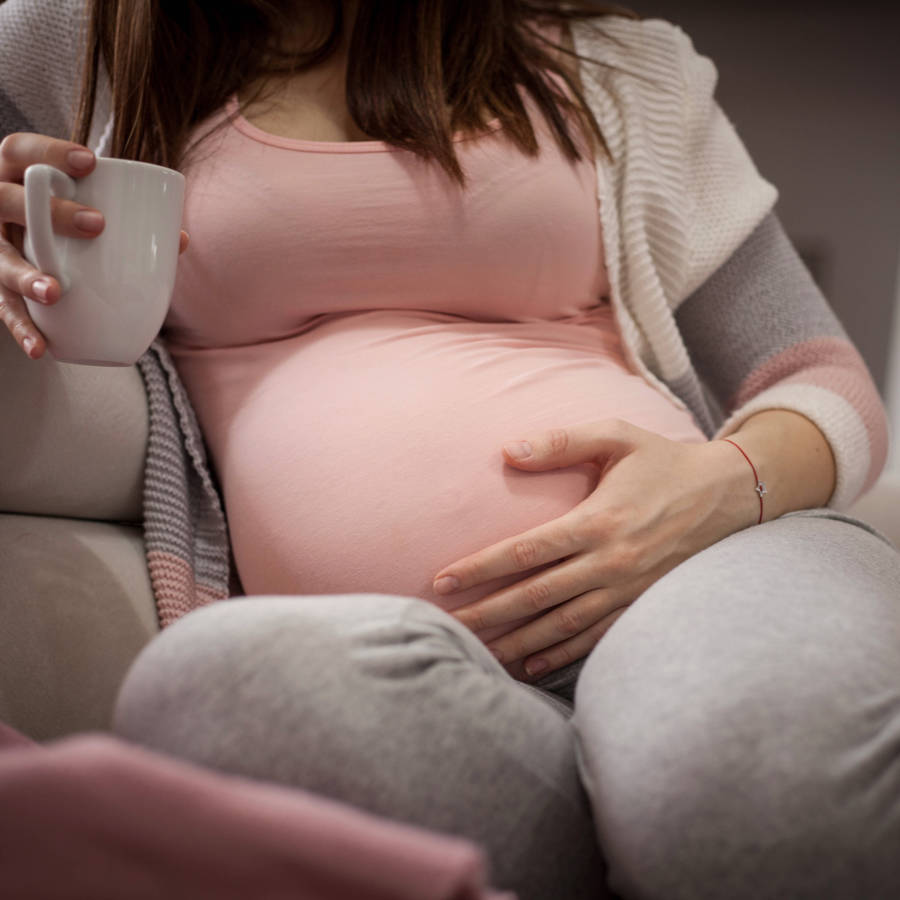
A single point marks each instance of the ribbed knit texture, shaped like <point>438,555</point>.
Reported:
<point>677,202</point>
<point>757,351</point>
<point>679,198</point>
<point>40,62</point>
<point>185,534</point>
<point>681,193</point>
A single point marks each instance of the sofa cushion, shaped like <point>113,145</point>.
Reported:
<point>76,608</point>
<point>74,437</point>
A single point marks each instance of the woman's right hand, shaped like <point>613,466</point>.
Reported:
<point>17,276</point>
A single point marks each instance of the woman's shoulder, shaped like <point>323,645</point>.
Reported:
<point>654,50</point>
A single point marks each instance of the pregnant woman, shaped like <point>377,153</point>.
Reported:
<point>533,435</point>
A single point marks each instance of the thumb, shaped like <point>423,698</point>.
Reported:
<point>593,442</point>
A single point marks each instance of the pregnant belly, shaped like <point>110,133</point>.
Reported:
<point>365,459</point>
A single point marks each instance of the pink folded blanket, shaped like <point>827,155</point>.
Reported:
<point>94,817</point>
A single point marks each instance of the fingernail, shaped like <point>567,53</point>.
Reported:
<point>446,585</point>
<point>80,159</point>
<point>41,287</point>
<point>88,221</point>
<point>535,667</point>
<point>518,450</point>
<point>30,344</point>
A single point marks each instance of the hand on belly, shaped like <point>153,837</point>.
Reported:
<point>657,502</point>
<point>343,528</point>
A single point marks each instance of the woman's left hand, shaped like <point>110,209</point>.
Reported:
<point>657,502</point>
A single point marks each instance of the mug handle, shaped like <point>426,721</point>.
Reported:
<point>41,183</point>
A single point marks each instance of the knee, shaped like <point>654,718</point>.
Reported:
<point>740,781</point>
<point>242,663</point>
<point>383,702</point>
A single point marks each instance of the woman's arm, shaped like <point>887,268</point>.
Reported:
<point>711,294</point>
<point>759,333</point>
<point>657,503</point>
<point>762,338</point>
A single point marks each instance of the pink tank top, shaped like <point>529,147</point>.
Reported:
<point>359,337</point>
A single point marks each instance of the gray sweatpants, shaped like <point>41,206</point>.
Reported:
<point>736,734</point>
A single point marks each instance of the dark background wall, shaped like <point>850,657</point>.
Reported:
<point>814,91</point>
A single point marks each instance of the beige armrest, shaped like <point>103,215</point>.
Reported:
<point>76,608</point>
<point>72,438</point>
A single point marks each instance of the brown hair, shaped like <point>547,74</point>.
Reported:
<point>173,63</point>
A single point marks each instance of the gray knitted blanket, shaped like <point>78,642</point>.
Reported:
<point>185,532</point>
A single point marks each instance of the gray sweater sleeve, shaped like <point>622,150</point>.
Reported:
<point>761,334</point>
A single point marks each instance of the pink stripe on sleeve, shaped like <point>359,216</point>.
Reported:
<point>832,363</point>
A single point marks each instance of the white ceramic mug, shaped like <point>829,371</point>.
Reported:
<point>116,287</point>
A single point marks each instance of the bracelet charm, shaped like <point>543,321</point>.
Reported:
<point>760,485</point>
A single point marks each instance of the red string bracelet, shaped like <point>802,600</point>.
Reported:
<point>760,486</point>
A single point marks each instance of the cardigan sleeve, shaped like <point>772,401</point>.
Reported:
<point>758,330</point>
<point>723,310</point>
<point>40,65</point>
<point>762,336</point>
